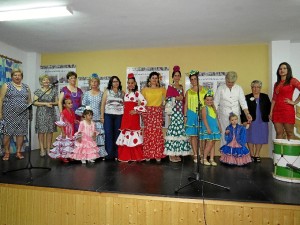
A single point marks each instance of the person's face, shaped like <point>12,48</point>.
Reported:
<point>154,80</point>
<point>115,83</point>
<point>176,77</point>
<point>68,104</point>
<point>45,82</point>
<point>209,101</point>
<point>256,89</point>
<point>234,120</point>
<point>229,84</point>
<point>88,117</point>
<point>94,83</point>
<point>72,80</point>
<point>17,77</point>
<point>283,70</point>
<point>193,81</point>
<point>130,84</point>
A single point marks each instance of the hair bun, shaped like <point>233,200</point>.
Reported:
<point>130,76</point>
<point>176,68</point>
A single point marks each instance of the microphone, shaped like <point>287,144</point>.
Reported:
<point>54,83</point>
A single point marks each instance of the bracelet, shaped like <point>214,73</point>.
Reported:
<point>185,116</point>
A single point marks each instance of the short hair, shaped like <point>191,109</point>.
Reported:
<point>42,77</point>
<point>256,82</point>
<point>94,78</point>
<point>71,74</point>
<point>18,70</point>
<point>86,112</point>
<point>231,115</point>
<point>231,76</point>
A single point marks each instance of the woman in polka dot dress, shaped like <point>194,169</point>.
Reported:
<point>176,142</point>
<point>130,139</point>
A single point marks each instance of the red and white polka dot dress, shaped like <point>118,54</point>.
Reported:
<point>130,140</point>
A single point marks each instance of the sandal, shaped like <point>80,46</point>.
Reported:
<point>19,155</point>
<point>6,156</point>
<point>257,159</point>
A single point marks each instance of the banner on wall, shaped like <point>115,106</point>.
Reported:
<point>141,74</point>
<point>6,66</point>
<point>83,83</point>
<point>211,80</point>
<point>58,73</point>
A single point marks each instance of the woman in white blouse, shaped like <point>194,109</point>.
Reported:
<point>229,98</point>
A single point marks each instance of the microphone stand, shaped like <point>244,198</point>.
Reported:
<point>197,178</point>
<point>29,164</point>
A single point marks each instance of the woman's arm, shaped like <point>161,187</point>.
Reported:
<point>2,95</point>
<point>204,119</point>
<point>60,100</point>
<point>103,102</point>
<point>271,110</point>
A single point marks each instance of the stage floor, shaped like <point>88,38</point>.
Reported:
<point>251,183</point>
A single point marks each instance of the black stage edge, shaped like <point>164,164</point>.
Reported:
<point>251,183</point>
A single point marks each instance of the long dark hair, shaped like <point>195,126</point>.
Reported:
<point>135,87</point>
<point>110,82</point>
<point>289,75</point>
<point>151,75</point>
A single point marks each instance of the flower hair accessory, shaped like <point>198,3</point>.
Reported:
<point>88,107</point>
<point>94,75</point>
<point>210,93</point>
<point>194,72</point>
<point>176,69</point>
<point>130,76</point>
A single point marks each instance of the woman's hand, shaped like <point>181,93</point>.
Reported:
<point>208,131</point>
<point>49,105</point>
<point>227,131</point>
<point>132,112</point>
<point>179,98</point>
<point>289,101</point>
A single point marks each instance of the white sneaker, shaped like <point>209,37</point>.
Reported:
<point>91,161</point>
<point>83,161</point>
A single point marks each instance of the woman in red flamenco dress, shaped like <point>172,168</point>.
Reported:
<point>282,109</point>
<point>130,139</point>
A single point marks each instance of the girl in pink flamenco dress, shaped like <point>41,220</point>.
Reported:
<point>86,148</point>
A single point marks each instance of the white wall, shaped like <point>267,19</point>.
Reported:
<point>31,62</point>
<point>283,51</point>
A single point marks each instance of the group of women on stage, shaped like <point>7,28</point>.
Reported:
<point>109,122</point>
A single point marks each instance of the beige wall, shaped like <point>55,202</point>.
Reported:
<point>249,61</point>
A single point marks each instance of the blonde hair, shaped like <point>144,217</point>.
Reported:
<point>18,70</point>
<point>94,78</point>
<point>42,77</point>
<point>231,76</point>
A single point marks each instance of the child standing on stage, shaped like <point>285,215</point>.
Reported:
<point>235,152</point>
<point>64,144</point>
<point>210,129</point>
<point>130,139</point>
<point>86,148</point>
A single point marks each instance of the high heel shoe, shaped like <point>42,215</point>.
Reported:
<point>19,155</point>
<point>6,156</point>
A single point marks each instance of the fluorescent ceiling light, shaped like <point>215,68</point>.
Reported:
<point>36,13</point>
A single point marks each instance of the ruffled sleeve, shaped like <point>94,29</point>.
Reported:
<point>143,102</point>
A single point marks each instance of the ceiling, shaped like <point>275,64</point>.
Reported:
<point>123,24</point>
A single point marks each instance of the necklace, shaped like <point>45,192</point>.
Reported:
<point>16,85</point>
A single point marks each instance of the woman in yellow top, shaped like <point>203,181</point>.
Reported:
<point>191,110</point>
<point>153,117</point>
